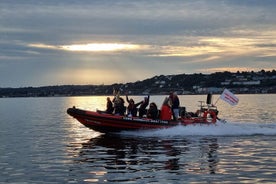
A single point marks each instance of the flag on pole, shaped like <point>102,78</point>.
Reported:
<point>229,97</point>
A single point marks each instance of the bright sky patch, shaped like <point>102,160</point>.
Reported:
<point>100,47</point>
<point>91,47</point>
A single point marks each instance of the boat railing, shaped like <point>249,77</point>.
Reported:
<point>206,107</point>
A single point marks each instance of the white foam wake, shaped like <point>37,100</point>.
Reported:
<point>220,129</point>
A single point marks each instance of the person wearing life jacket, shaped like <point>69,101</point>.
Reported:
<point>166,112</point>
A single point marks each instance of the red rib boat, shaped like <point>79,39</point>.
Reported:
<point>107,123</point>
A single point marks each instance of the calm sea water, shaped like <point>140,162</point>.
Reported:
<point>40,143</point>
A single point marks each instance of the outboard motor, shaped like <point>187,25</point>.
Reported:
<point>209,99</point>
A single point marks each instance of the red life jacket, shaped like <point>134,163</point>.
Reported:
<point>166,113</point>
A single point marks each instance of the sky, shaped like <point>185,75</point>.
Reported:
<point>80,42</point>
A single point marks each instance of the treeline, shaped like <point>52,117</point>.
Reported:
<point>239,82</point>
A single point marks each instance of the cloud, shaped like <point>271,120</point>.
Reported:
<point>266,45</point>
<point>57,38</point>
<point>91,47</point>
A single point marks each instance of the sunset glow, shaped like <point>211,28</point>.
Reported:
<point>106,42</point>
<point>91,47</point>
<point>98,47</point>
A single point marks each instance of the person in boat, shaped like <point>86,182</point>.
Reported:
<point>166,111</point>
<point>143,106</point>
<point>174,101</point>
<point>152,111</point>
<point>132,107</point>
<point>119,105</point>
<point>109,106</point>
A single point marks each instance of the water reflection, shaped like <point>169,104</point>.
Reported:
<point>210,147</point>
<point>117,158</point>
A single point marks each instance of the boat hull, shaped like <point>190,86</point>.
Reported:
<point>106,123</point>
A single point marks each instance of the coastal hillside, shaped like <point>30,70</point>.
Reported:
<point>239,83</point>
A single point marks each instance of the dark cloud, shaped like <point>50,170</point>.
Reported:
<point>159,24</point>
<point>268,45</point>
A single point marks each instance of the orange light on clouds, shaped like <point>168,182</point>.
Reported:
<point>97,47</point>
<point>214,48</point>
<point>232,69</point>
<point>183,51</point>
<point>91,47</point>
<point>43,46</point>
<point>229,69</point>
<point>87,75</point>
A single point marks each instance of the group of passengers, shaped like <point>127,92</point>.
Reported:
<point>169,109</point>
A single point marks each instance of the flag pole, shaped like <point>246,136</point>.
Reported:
<point>217,101</point>
<point>219,97</point>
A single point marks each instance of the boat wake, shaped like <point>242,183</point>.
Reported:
<point>220,129</point>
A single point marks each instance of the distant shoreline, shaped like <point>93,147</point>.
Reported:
<point>105,95</point>
<point>262,82</point>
